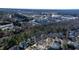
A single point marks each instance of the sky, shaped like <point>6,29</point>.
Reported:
<point>40,4</point>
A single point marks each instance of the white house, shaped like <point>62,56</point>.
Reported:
<point>7,26</point>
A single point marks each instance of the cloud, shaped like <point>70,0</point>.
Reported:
<point>40,4</point>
